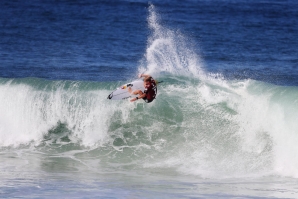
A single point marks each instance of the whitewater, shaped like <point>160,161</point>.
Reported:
<point>232,136</point>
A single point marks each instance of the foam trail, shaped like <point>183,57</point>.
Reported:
<point>169,51</point>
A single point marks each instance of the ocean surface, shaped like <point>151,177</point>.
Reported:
<point>223,125</point>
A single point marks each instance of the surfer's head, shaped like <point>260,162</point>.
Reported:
<point>147,82</point>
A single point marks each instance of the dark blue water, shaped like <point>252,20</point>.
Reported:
<point>223,125</point>
<point>106,40</point>
<point>93,40</point>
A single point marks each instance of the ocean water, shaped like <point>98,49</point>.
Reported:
<point>223,125</point>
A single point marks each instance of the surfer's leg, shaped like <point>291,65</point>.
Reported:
<point>135,92</point>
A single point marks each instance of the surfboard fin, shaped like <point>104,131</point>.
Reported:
<point>110,96</point>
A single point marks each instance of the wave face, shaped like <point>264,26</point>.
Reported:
<point>207,128</point>
<point>200,124</point>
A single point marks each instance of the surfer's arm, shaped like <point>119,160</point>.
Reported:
<point>144,75</point>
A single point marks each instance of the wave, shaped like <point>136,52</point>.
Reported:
<point>200,124</point>
<point>196,127</point>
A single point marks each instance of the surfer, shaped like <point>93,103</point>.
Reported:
<point>150,90</point>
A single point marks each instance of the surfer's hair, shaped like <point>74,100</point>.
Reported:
<point>147,79</point>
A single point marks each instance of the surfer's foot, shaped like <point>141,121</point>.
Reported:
<point>129,89</point>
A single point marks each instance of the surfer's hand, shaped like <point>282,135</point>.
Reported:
<point>140,75</point>
<point>133,99</point>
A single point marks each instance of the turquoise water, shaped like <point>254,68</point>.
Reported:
<point>202,138</point>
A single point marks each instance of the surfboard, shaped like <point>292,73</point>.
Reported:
<point>122,92</point>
